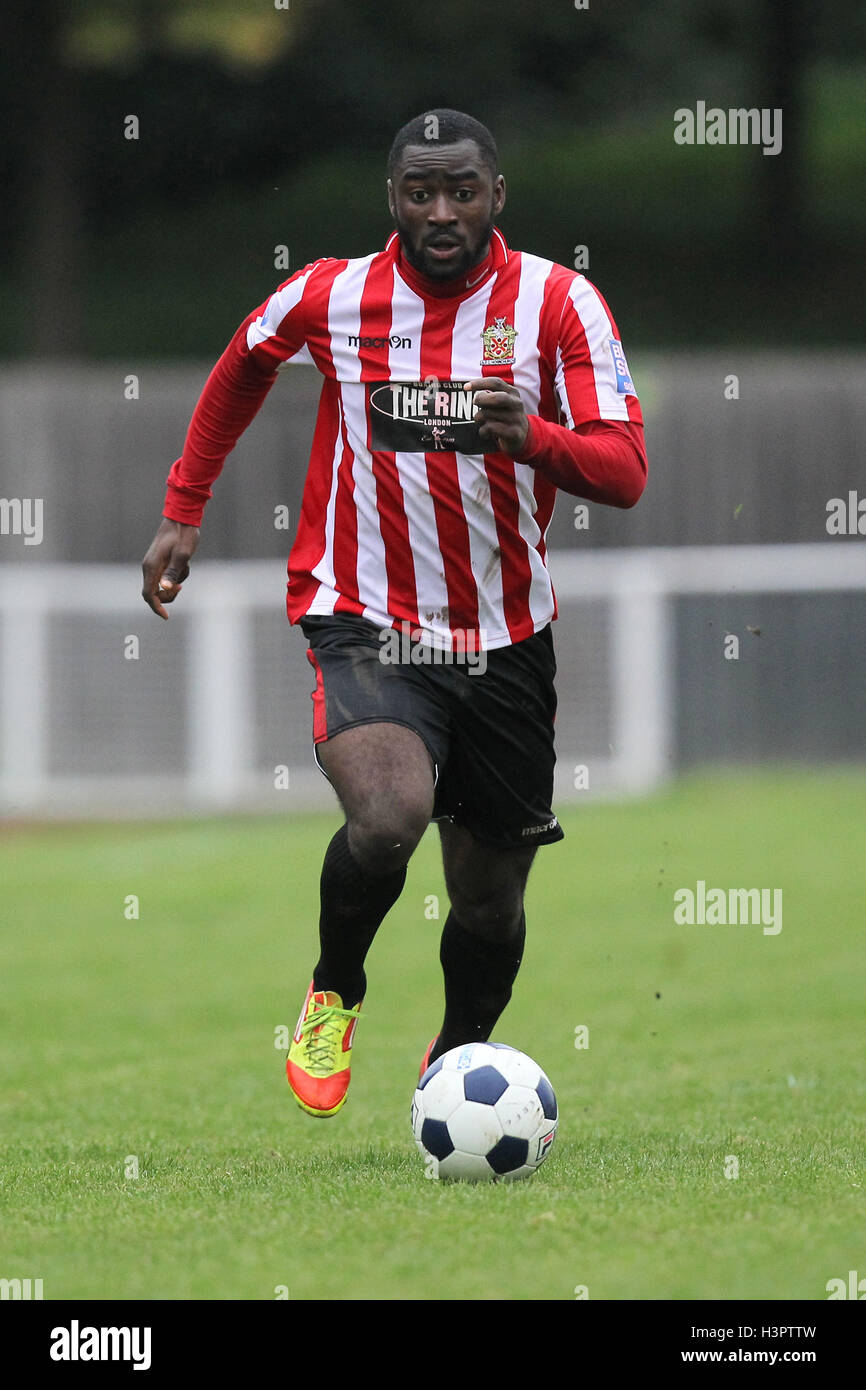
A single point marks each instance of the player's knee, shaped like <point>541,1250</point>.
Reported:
<point>493,916</point>
<point>384,840</point>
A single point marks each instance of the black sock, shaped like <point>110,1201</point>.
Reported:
<point>353,908</point>
<point>479,975</point>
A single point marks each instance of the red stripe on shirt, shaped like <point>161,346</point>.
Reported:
<point>444,480</point>
<point>310,541</point>
<point>346,530</point>
<point>555,290</point>
<point>514,559</point>
<point>376,313</point>
<point>577,366</point>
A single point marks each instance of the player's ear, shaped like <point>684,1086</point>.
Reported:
<point>498,195</point>
<point>391,203</point>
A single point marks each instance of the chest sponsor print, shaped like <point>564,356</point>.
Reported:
<point>416,418</point>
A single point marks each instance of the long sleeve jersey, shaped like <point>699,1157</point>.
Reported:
<point>406,516</point>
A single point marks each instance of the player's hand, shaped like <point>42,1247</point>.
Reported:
<point>166,564</point>
<point>499,413</point>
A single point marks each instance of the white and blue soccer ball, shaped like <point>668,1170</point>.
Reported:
<point>484,1113</point>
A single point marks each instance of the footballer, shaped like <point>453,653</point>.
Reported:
<point>463,384</point>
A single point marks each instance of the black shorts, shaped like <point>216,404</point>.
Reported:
<point>489,734</point>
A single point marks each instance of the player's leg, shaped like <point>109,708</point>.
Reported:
<point>383,776</point>
<point>496,788</point>
<point>377,731</point>
<point>379,736</point>
<point>483,936</point>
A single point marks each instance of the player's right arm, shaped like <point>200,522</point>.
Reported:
<point>233,394</point>
<point>166,564</point>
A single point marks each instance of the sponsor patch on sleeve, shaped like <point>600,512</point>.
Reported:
<point>624,383</point>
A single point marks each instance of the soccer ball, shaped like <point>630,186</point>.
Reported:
<point>484,1112</point>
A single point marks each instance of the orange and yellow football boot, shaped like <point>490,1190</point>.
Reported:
<point>318,1067</point>
<point>426,1059</point>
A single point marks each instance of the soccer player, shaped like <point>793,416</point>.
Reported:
<point>464,383</point>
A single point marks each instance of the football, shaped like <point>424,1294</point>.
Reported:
<point>484,1113</point>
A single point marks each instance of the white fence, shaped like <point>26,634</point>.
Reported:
<point>106,710</point>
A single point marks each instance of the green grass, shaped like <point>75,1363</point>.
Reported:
<point>155,1038</point>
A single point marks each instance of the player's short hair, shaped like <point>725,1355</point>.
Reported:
<point>444,127</point>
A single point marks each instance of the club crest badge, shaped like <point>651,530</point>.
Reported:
<point>498,339</point>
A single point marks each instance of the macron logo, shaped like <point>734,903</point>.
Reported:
<point>76,1343</point>
<point>395,341</point>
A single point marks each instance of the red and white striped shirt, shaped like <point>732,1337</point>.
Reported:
<point>404,518</point>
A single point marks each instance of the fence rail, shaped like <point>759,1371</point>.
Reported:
<point>106,710</point>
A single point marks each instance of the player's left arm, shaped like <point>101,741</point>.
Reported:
<point>599,452</point>
<point>601,460</point>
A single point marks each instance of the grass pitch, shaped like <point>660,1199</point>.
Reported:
<point>147,1045</point>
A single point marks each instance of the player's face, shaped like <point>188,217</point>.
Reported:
<point>444,201</point>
